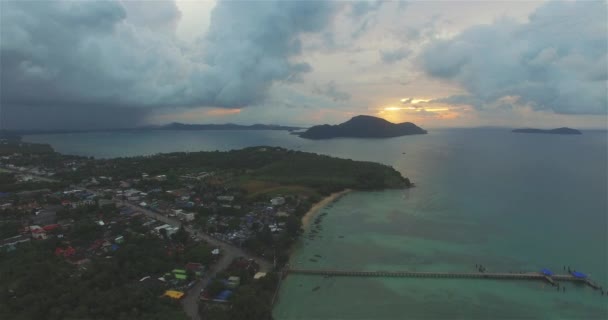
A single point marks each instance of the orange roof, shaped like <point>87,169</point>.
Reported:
<point>174,294</point>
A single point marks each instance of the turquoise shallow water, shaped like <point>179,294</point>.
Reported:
<point>512,202</point>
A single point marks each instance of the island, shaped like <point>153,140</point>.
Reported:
<point>170,126</point>
<point>159,237</point>
<point>563,130</point>
<point>226,126</point>
<point>362,127</point>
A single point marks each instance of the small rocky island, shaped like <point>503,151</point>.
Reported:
<point>563,130</point>
<point>362,127</point>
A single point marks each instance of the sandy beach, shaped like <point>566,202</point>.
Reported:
<point>308,217</point>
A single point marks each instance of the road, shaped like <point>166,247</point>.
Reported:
<point>41,178</point>
<point>228,253</point>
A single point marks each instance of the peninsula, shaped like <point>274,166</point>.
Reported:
<point>362,127</point>
<point>563,130</point>
<point>139,234</point>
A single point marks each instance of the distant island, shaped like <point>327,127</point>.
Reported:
<point>362,127</point>
<point>226,126</point>
<point>563,130</point>
<point>171,126</point>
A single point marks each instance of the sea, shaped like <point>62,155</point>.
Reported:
<point>511,202</point>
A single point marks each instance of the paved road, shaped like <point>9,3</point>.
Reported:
<point>41,178</point>
<point>228,253</point>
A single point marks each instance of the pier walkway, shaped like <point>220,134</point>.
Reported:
<point>553,279</point>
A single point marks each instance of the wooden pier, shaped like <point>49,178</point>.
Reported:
<point>553,279</point>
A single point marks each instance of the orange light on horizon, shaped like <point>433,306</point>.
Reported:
<point>222,112</point>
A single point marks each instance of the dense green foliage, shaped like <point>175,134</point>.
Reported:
<point>9,183</point>
<point>34,284</point>
<point>251,301</point>
<point>10,147</point>
<point>323,173</point>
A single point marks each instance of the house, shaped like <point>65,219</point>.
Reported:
<point>174,294</point>
<point>277,201</point>
<point>179,274</point>
<point>225,198</point>
<point>259,275</point>
<point>223,296</point>
<point>38,233</point>
<point>197,268</point>
<point>186,216</point>
<point>169,230</point>
<point>67,252</point>
<point>233,282</point>
<point>105,202</point>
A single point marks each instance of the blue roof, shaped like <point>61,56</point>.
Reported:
<point>224,295</point>
<point>577,274</point>
<point>546,272</point>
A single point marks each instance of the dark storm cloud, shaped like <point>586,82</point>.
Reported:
<point>70,117</point>
<point>101,54</point>
<point>557,61</point>
<point>249,46</point>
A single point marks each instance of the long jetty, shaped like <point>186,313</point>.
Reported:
<point>452,275</point>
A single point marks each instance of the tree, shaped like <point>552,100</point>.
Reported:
<point>181,235</point>
<point>214,288</point>
<point>265,235</point>
<point>293,225</point>
<point>198,253</point>
<point>163,232</point>
<point>248,304</point>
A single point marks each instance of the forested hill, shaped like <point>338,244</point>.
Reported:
<point>563,130</point>
<point>226,126</point>
<point>363,127</point>
<point>279,165</point>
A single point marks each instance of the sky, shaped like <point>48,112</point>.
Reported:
<point>118,63</point>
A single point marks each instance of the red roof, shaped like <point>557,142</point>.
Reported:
<point>51,227</point>
<point>193,266</point>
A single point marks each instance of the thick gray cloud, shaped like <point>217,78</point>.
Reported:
<point>249,46</point>
<point>331,91</point>
<point>106,54</point>
<point>556,61</point>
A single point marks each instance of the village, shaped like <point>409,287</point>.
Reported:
<point>121,209</point>
<point>179,234</point>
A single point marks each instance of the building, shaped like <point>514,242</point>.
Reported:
<point>174,294</point>
<point>233,282</point>
<point>259,275</point>
<point>277,201</point>
<point>105,202</point>
<point>186,216</point>
<point>197,268</point>
<point>179,274</point>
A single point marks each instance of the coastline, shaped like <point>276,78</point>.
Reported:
<point>312,212</point>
